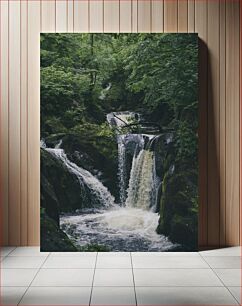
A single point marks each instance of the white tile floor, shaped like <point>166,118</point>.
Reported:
<point>29,277</point>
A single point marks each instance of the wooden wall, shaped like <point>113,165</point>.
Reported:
<point>217,23</point>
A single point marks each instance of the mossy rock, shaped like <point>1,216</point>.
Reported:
<point>53,239</point>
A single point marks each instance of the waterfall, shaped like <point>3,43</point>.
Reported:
<point>140,191</point>
<point>85,178</point>
<point>143,179</point>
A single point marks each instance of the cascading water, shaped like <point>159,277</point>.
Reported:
<point>85,178</point>
<point>130,225</point>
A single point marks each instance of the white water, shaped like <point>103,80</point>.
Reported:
<point>119,229</point>
<point>85,177</point>
<point>130,226</point>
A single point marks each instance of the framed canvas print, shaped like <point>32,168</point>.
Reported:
<point>119,142</point>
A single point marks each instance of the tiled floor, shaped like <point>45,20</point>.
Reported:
<point>29,277</point>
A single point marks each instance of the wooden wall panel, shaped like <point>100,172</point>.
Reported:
<point>217,23</point>
<point>144,16</point>
<point>232,122</point>
<point>96,16</point>
<point>201,28</point>
<point>171,15</point>
<point>111,16</point>
<point>157,16</point>
<point>48,15</point>
<point>182,16</point>
<point>4,122</point>
<point>213,122</point>
<point>61,15</point>
<point>24,123</point>
<point>34,29</point>
<point>125,16</point>
<point>81,16</point>
<point>222,127</point>
<point>14,121</point>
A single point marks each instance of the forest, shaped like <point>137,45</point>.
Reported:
<point>154,79</point>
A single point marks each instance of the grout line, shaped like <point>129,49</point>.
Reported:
<point>233,294</point>
<point>220,280</point>
<point>33,278</point>
<point>135,295</point>
<point>90,299</point>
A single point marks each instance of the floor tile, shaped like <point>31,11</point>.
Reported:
<point>231,262</point>
<point>73,254</point>
<point>169,262</point>
<point>64,277</point>
<point>175,277</point>
<point>23,262</point>
<point>236,292</point>
<point>184,296</point>
<point>17,277</point>
<point>4,251</point>
<point>57,296</point>
<point>231,251</point>
<point>230,277</point>
<point>28,251</point>
<point>113,296</point>
<point>113,277</point>
<point>115,262</point>
<point>119,254</point>
<point>165,254</point>
<point>70,262</point>
<point>11,295</point>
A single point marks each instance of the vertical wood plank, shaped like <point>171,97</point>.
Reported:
<point>61,16</point>
<point>191,16</point>
<point>33,122</point>
<point>81,15</point>
<point>222,144</point>
<point>111,16</point>
<point>183,16</point>
<point>144,16</point>
<point>171,15</point>
<point>96,16</point>
<point>157,14</point>
<point>23,124</point>
<point>70,15</point>
<point>4,122</point>
<point>213,124</point>
<point>201,28</point>
<point>134,19</point>
<point>48,16</point>
<point>125,16</point>
<point>14,122</point>
<point>232,122</point>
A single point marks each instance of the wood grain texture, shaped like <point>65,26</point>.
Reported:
<point>217,23</point>
<point>213,123</point>
<point>61,15</point>
<point>201,28</point>
<point>182,16</point>
<point>14,121</point>
<point>96,16</point>
<point>191,16</point>
<point>48,15</point>
<point>111,16</point>
<point>33,122</point>
<point>125,16</point>
<point>232,122</point>
<point>24,124</point>
<point>222,127</point>
<point>171,16</point>
<point>157,16</point>
<point>144,16</point>
<point>4,122</point>
<point>81,16</point>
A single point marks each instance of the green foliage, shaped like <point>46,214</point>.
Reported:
<point>86,76</point>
